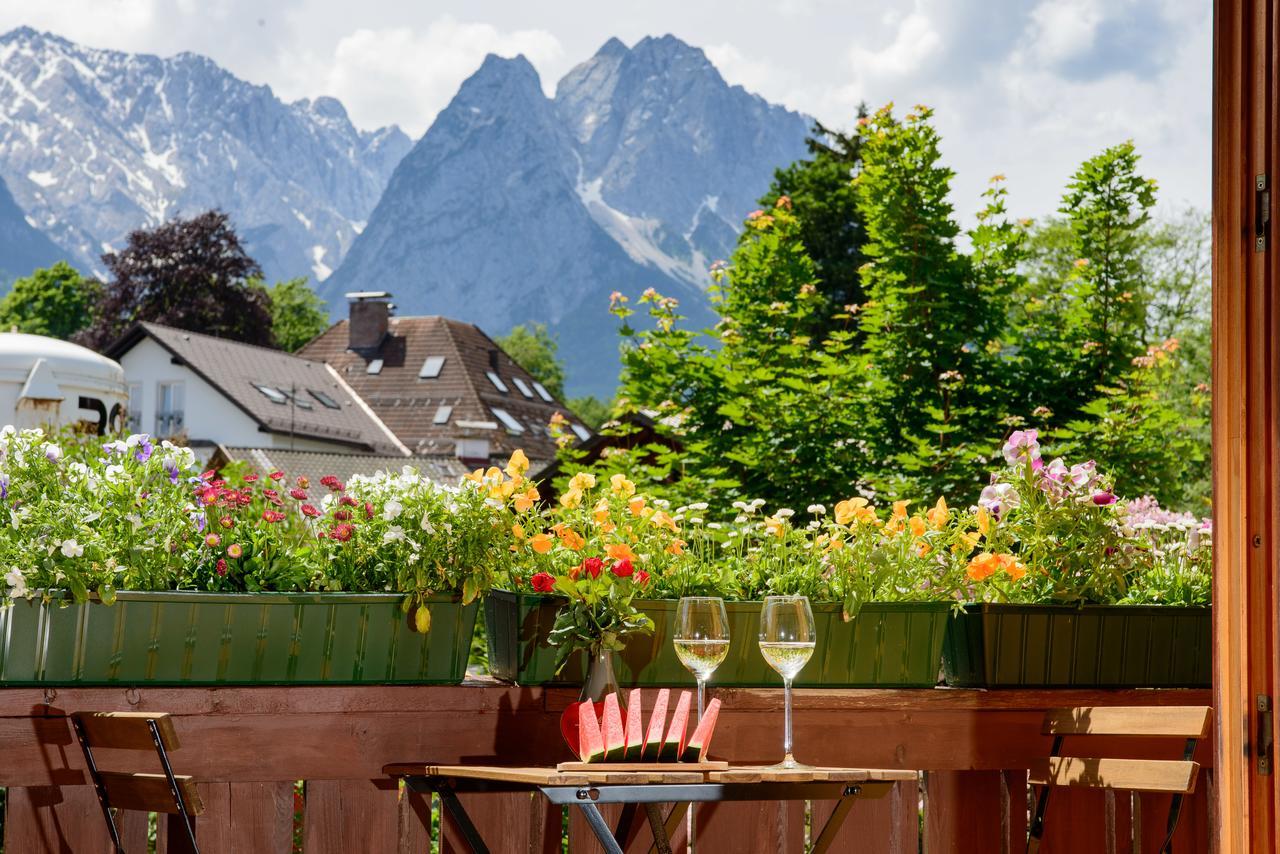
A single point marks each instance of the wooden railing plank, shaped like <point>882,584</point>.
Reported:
<point>66,820</point>
<point>517,822</point>
<point>888,825</point>
<point>735,827</point>
<point>341,816</point>
<point>968,812</point>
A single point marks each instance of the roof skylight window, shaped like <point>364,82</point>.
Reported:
<point>523,386</point>
<point>583,433</point>
<point>497,381</point>
<point>325,400</point>
<point>431,368</point>
<point>272,394</point>
<point>542,392</point>
<point>375,367</point>
<point>442,415</point>
<point>508,421</point>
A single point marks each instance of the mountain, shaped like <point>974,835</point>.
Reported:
<point>96,143</point>
<point>22,247</point>
<point>516,207</point>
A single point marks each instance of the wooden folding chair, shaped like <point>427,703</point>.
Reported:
<point>1173,776</point>
<point>174,795</point>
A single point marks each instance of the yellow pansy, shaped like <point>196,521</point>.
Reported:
<point>621,486</point>
<point>775,527</point>
<point>571,499</point>
<point>524,501</point>
<point>518,464</point>
<point>582,481</point>
<point>918,526</point>
<point>984,522</point>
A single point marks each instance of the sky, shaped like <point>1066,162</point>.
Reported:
<point>1024,89</point>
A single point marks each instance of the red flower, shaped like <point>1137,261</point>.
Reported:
<point>342,515</point>
<point>276,475</point>
<point>622,568</point>
<point>543,583</point>
<point>221,566</point>
<point>348,500</point>
<point>342,532</point>
<point>304,482</point>
<point>368,510</point>
<point>329,481</point>
<point>208,475</point>
<point>272,516</point>
<point>309,510</point>
<point>592,566</point>
<point>298,494</point>
<point>250,478</point>
<point>642,577</point>
<point>226,521</point>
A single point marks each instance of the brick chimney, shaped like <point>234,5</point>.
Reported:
<point>369,314</point>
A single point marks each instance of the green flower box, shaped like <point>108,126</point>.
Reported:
<point>188,638</point>
<point>896,644</point>
<point>1093,646</point>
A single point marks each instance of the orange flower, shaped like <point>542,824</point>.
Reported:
<point>900,509</point>
<point>524,501</point>
<point>676,547</point>
<point>984,522</point>
<point>517,531</point>
<point>621,551</point>
<point>939,515</point>
<point>918,526</point>
<point>636,505</point>
<point>775,526</point>
<point>541,543</point>
<point>853,510</point>
<point>601,511</point>
<point>518,464</point>
<point>572,539</point>
<point>664,520</point>
<point>982,566</point>
<point>922,549</point>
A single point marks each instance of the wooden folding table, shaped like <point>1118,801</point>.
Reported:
<point>648,789</point>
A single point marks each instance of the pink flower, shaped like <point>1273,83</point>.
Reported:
<point>304,482</point>
<point>642,577</point>
<point>298,494</point>
<point>342,532</point>
<point>998,498</point>
<point>212,540</point>
<point>235,550</point>
<point>368,510</point>
<point>276,475</point>
<point>310,510</point>
<point>342,515</point>
<point>1102,499</point>
<point>226,521</point>
<point>272,516</point>
<point>1084,474</point>
<point>348,500</point>
<point>1022,446</point>
<point>250,478</point>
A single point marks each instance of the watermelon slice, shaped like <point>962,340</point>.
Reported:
<point>615,737</point>
<point>675,733</point>
<point>569,720</point>
<point>590,743</point>
<point>657,722</point>
<point>635,727</point>
<point>696,749</point>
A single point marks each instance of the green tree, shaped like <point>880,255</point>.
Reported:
<point>591,410</point>
<point>824,203</point>
<point>297,313</point>
<point>536,350</point>
<point>56,301</point>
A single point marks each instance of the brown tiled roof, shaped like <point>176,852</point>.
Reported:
<point>408,403</point>
<point>441,468</point>
<point>233,368</point>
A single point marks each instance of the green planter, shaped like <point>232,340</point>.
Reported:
<point>1094,646</point>
<point>179,638</point>
<point>895,644</point>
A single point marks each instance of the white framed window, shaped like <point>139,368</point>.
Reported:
<point>375,367</point>
<point>272,394</point>
<point>170,408</point>
<point>582,432</point>
<point>431,367</point>
<point>508,421</point>
<point>497,381</point>
<point>442,414</point>
<point>523,386</point>
<point>135,408</point>
<point>542,392</point>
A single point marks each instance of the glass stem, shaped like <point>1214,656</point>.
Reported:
<point>786,736</point>
<point>702,689</point>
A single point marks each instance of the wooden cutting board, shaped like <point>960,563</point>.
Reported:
<point>641,767</point>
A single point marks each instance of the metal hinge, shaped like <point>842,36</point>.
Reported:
<point>1261,212</point>
<point>1262,744</point>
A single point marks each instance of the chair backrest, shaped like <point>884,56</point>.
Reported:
<point>152,732</point>
<point>1190,723</point>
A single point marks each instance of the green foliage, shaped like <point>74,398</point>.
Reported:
<point>297,313</point>
<point>591,410</point>
<point>830,227</point>
<point>56,301</point>
<point>534,349</point>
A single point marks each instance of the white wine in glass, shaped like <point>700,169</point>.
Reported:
<point>701,638</point>
<point>787,639</point>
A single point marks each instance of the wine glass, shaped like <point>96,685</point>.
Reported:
<point>787,639</point>
<point>701,638</point>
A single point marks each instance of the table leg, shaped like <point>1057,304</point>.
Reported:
<point>661,839</point>
<point>829,831</point>
<point>600,828</point>
<point>671,825</point>
<point>459,813</point>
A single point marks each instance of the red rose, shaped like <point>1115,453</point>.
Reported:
<point>642,578</point>
<point>592,566</point>
<point>543,583</point>
<point>622,568</point>
<point>276,475</point>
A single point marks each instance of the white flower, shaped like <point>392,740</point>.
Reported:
<point>816,509</point>
<point>70,548</point>
<point>701,505</point>
<point>426,523</point>
<point>52,452</point>
<point>392,509</point>
<point>394,533</point>
<point>17,583</point>
<point>114,473</point>
<point>785,513</point>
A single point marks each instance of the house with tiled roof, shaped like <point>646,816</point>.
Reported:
<point>441,385</point>
<point>211,391</point>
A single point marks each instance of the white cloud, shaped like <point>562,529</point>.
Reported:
<point>915,42</point>
<point>406,76</point>
<point>1063,29</point>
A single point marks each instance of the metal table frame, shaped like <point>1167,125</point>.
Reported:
<point>586,797</point>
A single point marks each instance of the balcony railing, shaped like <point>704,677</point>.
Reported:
<point>247,747</point>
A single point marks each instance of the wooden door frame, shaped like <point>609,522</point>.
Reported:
<point>1246,357</point>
